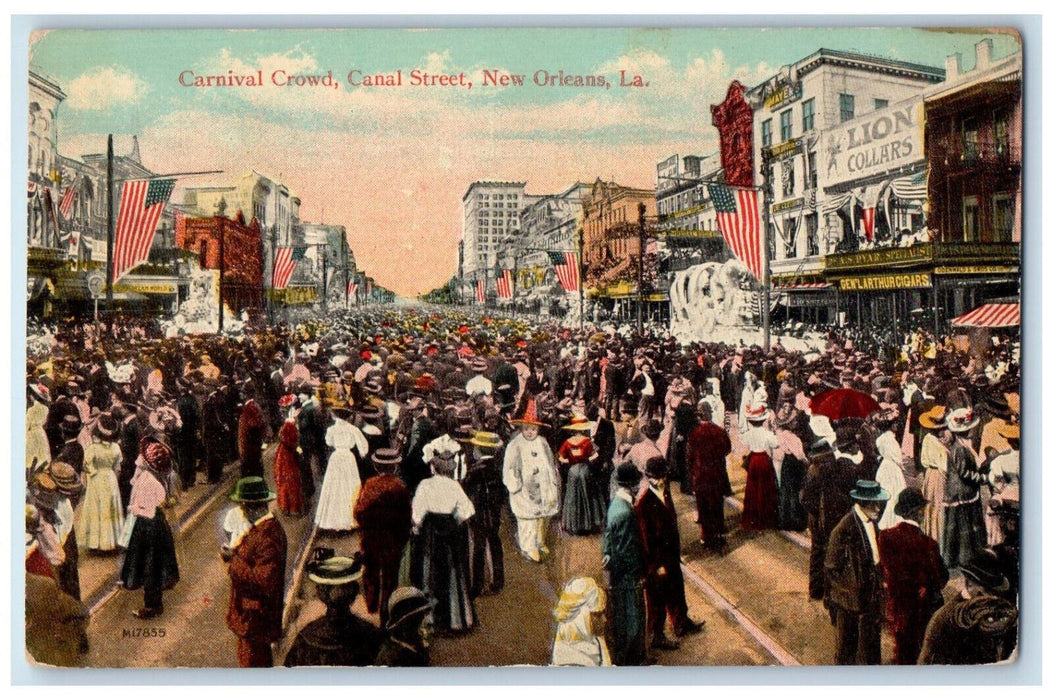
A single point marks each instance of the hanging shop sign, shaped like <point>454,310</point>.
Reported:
<point>976,270</point>
<point>786,149</point>
<point>883,140</point>
<point>144,287</point>
<point>782,95</point>
<point>787,205</point>
<point>809,300</point>
<point>870,283</point>
<point>688,233</point>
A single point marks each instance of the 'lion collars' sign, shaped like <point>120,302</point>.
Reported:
<point>873,144</point>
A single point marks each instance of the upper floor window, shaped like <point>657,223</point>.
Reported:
<point>970,219</point>
<point>848,106</point>
<point>970,138</point>
<point>787,177</point>
<point>808,115</point>
<point>786,125</point>
<point>1001,131</point>
<point>1002,210</point>
<point>811,225</point>
<point>765,130</point>
<point>812,170</point>
<point>880,103</point>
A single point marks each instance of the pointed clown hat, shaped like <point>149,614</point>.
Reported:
<point>529,415</point>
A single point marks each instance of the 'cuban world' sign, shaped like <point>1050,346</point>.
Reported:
<point>875,143</point>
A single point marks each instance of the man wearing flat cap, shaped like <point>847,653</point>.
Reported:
<point>853,578</point>
<point>979,626</point>
<point>339,637</point>
<point>914,576</point>
<point>256,566</point>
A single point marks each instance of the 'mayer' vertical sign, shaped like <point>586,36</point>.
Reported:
<point>877,142</point>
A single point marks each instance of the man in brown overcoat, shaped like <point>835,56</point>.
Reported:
<point>256,565</point>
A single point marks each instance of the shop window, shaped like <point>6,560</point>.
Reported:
<point>848,106</point>
<point>811,226</point>
<point>765,130</point>
<point>808,115</point>
<point>970,219</point>
<point>970,139</point>
<point>1002,208</point>
<point>786,125</point>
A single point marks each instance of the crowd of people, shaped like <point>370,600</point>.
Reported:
<point>422,428</point>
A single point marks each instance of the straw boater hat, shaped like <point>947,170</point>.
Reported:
<point>372,385</point>
<point>529,415</point>
<point>962,420</point>
<point>386,459</point>
<point>934,419</point>
<point>486,440</point>
<point>479,365</point>
<point>252,489</point>
<point>66,480</point>
<point>580,423</point>
<point>757,414</point>
<point>1010,431</point>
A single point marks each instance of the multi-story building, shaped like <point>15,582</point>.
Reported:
<point>549,223</point>
<point>233,248</point>
<point>328,251</point>
<point>611,223</point>
<point>490,224</point>
<point>687,227</point>
<point>44,174</point>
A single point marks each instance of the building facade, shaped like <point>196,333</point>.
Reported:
<point>233,248</point>
<point>687,226</point>
<point>490,225</point>
<point>549,223</point>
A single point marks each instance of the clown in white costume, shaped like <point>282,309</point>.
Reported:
<point>532,480</point>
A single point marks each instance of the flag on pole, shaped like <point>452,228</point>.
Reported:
<point>739,221</point>
<point>480,291</point>
<point>504,284</point>
<point>285,259</point>
<point>566,266</point>
<point>142,202</point>
<point>352,287</point>
<point>66,205</point>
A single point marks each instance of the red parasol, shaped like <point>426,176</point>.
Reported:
<point>844,403</point>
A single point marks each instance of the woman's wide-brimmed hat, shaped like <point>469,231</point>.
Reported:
<point>1010,431</point>
<point>962,420</point>
<point>156,454</point>
<point>335,571</point>
<point>41,392</point>
<point>407,604</point>
<point>287,400</point>
<point>870,491</point>
<point>66,479</point>
<point>529,415</point>
<point>934,419</point>
<point>105,426</point>
<point>478,364</point>
<point>252,489</point>
<point>580,423</point>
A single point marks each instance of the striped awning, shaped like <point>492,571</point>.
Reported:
<point>804,286</point>
<point>991,316</point>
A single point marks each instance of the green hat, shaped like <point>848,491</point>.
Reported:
<point>252,489</point>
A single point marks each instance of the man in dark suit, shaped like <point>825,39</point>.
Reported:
<point>603,439</point>
<point>664,582</point>
<point>311,424</point>
<point>623,558</point>
<point>914,575</point>
<point>853,578</point>
<point>708,447</point>
<point>384,518</point>
<point>824,496</point>
<point>256,566</point>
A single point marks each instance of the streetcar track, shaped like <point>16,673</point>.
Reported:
<point>771,646</point>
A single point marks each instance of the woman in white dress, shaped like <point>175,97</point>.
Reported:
<point>890,471</point>
<point>101,518</point>
<point>342,482</point>
<point>38,450</point>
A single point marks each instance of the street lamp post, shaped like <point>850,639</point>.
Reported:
<point>641,208</point>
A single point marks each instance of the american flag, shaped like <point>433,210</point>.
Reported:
<point>739,221</point>
<point>352,287</point>
<point>66,205</point>
<point>285,259</point>
<point>566,266</point>
<point>142,202</point>
<point>504,284</point>
<point>480,291</point>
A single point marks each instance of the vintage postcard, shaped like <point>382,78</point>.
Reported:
<point>523,346</point>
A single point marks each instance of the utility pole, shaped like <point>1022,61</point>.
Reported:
<point>641,208</point>
<point>325,280</point>
<point>768,192</point>
<point>109,222</point>
<point>581,278</point>
<point>222,267</point>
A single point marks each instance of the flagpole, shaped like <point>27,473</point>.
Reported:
<point>768,192</point>
<point>515,274</point>
<point>109,222</point>
<point>641,208</point>
<point>581,279</point>
<point>222,269</point>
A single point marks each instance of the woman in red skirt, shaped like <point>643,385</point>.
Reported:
<point>286,461</point>
<point>760,509</point>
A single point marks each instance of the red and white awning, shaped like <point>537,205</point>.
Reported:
<point>805,286</point>
<point>991,316</point>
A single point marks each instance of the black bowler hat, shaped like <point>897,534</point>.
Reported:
<point>627,475</point>
<point>657,467</point>
<point>982,569</point>
<point>909,501</point>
